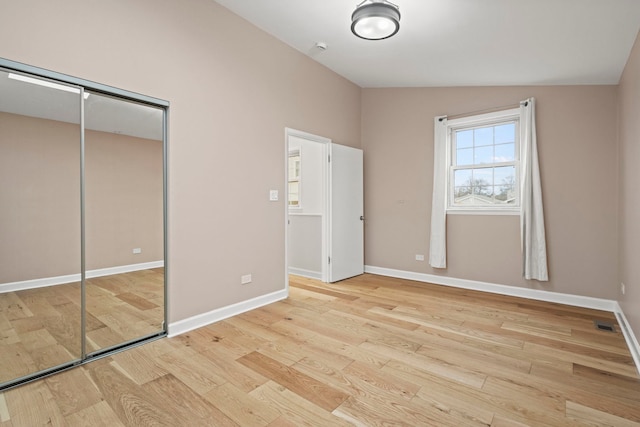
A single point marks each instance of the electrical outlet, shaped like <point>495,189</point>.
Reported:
<point>245,279</point>
<point>622,288</point>
<point>137,250</point>
<point>419,257</point>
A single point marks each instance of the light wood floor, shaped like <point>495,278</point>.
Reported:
<point>369,351</point>
<point>40,327</point>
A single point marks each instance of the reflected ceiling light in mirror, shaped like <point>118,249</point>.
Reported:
<point>375,20</point>
<point>46,83</point>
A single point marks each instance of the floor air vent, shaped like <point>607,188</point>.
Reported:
<point>604,326</point>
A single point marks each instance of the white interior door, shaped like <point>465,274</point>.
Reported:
<point>346,213</point>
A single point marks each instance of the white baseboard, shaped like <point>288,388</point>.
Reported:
<point>515,291</point>
<point>629,336</point>
<point>70,278</point>
<point>534,294</point>
<point>204,319</point>
<point>306,273</point>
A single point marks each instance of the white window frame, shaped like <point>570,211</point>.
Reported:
<point>475,121</point>
<point>295,153</point>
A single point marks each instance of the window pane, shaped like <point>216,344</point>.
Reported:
<point>464,157</point>
<point>462,196</point>
<point>483,195</point>
<point>483,136</point>
<point>505,175</point>
<point>505,194</point>
<point>505,133</point>
<point>294,166</point>
<point>462,177</point>
<point>477,179</point>
<point>505,153</point>
<point>483,155</point>
<point>293,188</point>
<point>464,139</point>
<point>483,177</point>
<point>294,193</point>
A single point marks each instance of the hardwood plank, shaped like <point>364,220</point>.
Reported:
<point>242,408</point>
<point>297,410</point>
<point>437,367</point>
<point>380,410</point>
<point>325,291</point>
<point>382,380</point>
<point>33,405</point>
<point>542,407</point>
<point>97,415</point>
<point>350,351</point>
<point>314,391</point>
<point>128,400</point>
<point>590,416</point>
<point>499,421</point>
<point>629,384</point>
<point>597,359</point>
<point>4,411</point>
<point>295,350</point>
<point>235,373</point>
<point>136,301</point>
<point>192,368</point>
<point>188,408</point>
<point>451,397</point>
<point>139,365</point>
<point>584,381</point>
<point>73,391</point>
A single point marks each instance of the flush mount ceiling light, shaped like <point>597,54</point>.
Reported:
<point>375,20</point>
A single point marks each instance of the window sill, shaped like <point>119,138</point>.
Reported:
<point>454,211</point>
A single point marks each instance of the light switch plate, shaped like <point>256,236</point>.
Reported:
<point>273,195</point>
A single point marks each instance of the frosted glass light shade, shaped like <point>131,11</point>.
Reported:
<point>375,21</point>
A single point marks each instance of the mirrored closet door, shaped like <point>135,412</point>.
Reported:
<point>82,221</point>
<point>124,240</point>
<point>40,262</point>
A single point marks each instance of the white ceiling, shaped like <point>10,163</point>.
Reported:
<point>461,42</point>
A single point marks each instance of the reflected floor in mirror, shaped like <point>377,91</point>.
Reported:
<point>40,328</point>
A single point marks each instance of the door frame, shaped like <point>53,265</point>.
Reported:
<point>326,148</point>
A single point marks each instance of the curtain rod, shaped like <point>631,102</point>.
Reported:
<point>487,110</point>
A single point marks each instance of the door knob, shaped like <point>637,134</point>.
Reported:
<point>361,217</point>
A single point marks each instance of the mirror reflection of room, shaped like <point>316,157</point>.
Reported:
<point>124,221</point>
<point>41,165</point>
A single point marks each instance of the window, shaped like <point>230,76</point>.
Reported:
<point>294,179</point>
<point>484,158</point>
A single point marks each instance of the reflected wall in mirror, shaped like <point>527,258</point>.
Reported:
<point>40,294</point>
<point>124,221</point>
<point>82,221</point>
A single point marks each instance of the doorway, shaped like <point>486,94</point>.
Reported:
<point>325,218</point>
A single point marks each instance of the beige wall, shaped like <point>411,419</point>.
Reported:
<point>123,200</point>
<point>233,89</point>
<point>39,198</point>
<point>629,176</point>
<point>40,194</point>
<point>577,147</point>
